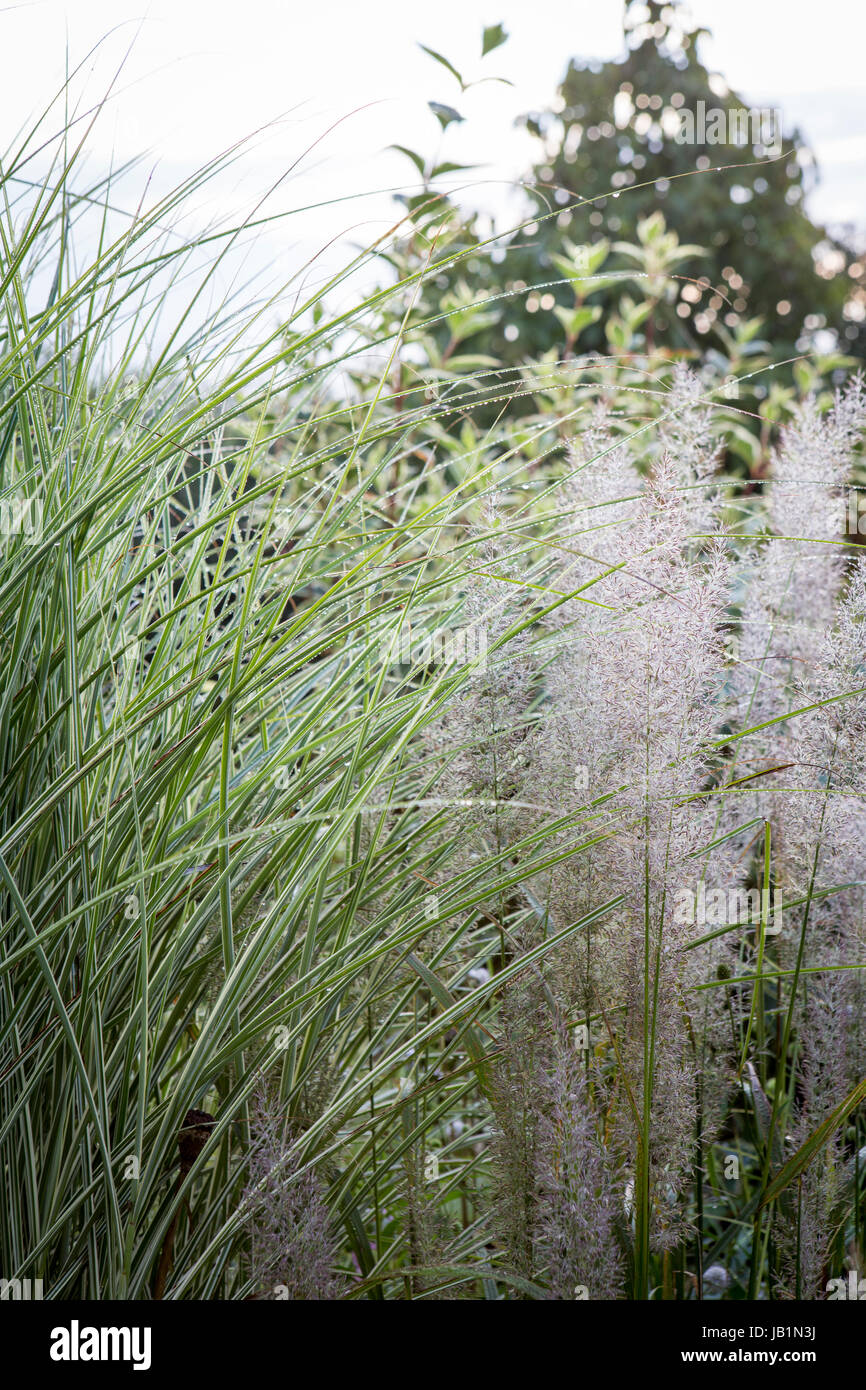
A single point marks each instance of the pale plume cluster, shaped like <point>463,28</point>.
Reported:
<point>293,1249</point>
<point>635,703</point>
<point>581,1210</point>
<point>794,576</point>
<point>627,752</point>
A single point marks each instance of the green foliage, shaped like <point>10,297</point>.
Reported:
<point>611,160</point>
<point>611,172</point>
<point>232,872</point>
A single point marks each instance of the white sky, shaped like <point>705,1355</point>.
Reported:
<point>202,74</point>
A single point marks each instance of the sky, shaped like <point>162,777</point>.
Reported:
<point>318,91</point>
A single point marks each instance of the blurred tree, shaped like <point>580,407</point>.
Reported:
<point>613,159</point>
<point>614,152</point>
